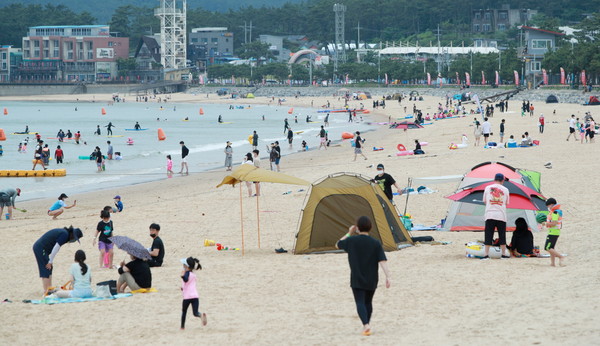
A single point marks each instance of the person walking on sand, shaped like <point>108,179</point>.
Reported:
<point>502,131</point>
<point>248,161</point>
<point>189,291</point>
<point>486,129</point>
<point>542,121</point>
<point>495,197</point>
<point>184,154</point>
<point>228,156</point>
<point>256,162</point>
<point>572,127</point>
<point>358,142</point>
<point>554,225</point>
<point>59,206</point>
<point>104,230</point>
<point>365,254</point>
<point>7,199</point>
<point>323,138</point>
<point>46,248</point>
<point>385,182</point>
<point>477,133</point>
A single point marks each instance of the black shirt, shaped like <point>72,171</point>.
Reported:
<point>105,229</point>
<point>358,142</point>
<point>157,243</point>
<point>502,127</point>
<point>522,241</point>
<point>140,271</point>
<point>364,255</point>
<point>385,181</point>
<point>184,152</point>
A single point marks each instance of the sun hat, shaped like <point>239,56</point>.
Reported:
<point>117,197</point>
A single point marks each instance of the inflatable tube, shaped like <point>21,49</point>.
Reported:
<point>424,144</point>
<point>103,111</point>
<point>452,146</point>
<point>30,173</point>
<point>401,147</point>
<point>129,141</point>
<point>201,111</point>
<point>250,139</point>
<point>88,157</point>
<point>461,146</point>
<point>161,135</point>
<point>347,135</point>
<point>291,110</point>
<point>477,250</point>
<point>404,153</point>
<point>2,135</point>
<point>377,149</point>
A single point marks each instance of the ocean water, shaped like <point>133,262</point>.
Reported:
<point>145,160</point>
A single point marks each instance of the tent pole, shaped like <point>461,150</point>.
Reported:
<point>407,194</point>
<point>258,219</point>
<point>242,218</point>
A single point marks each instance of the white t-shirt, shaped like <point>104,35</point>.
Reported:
<point>572,123</point>
<point>82,282</point>
<point>495,197</point>
<point>486,128</point>
<point>256,162</point>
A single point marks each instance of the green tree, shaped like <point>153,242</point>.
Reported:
<point>256,50</point>
<point>125,66</point>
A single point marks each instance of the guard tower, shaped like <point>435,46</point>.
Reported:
<point>340,40</point>
<point>173,33</point>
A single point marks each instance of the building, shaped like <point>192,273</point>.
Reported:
<point>71,53</point>
<point>275,43</point>
<point>535,43</point>
<point>493,20</point>
<point>147,57</point>
<point>210,45</point>
<point>10,58</point>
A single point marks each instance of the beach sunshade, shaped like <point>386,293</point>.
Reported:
<point>251,173</point>
<point>132,247</point>
<point>335,202</point>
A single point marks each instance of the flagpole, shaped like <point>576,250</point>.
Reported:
<point>242,218</point>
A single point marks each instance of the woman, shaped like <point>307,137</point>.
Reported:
<point>477,133</point>
<point>59,206</point>
<point>228,155</point>
<point>81,277</point>
<point>99,159</point>
<point>135,275</point>
<point>364,255</point>
<point>248,161</point>
<point>521,243</point>
<point>418,150</point>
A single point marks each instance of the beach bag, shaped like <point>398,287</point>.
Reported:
<point>109,286</point>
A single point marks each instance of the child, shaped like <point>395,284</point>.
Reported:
<point>554,225</point>
<point>105,229</point>
<point>188,288</point>
<point>81,277</point>
<point>58,155</point>
<point>169,165</point>
<point>118,205</point>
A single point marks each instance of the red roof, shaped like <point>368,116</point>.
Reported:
<point>542,30</point>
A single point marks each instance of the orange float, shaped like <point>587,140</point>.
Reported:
<point>366,111</point>
<point>2,135</point>
<point>201,111</point>
<point>103,111</point>
<point>291,110</point>
<point>5,111</point>
<point>347,135</point>
<point>161,135</point>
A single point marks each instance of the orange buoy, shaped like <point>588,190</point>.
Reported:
<point>5,111</point>
<point>347,135</point>
<point>103,111</point>
<point>291,110</point>
<point>201,111</point>
<point>366,111</point>
<point>161,135</point>
<point>2,135</point>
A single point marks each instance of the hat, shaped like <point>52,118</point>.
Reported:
<point>117,197</point>
<point>76,232</point>
<point>186,262</point>
<point>228,142</point>
<point>62,195</point>
<point>380,166</point>
<point>499,177</point>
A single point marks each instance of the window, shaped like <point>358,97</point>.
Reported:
<point>541,44</point>
<point>90,55</point>
<point>214,40</point>
<point>26,43</point>
<point>36,54</point>
<point>487,16</point>
<point>46,53</point>
<point>90,45</point>
<point>36,44</point>
<point>46,43</point>
<point>56,53</point>
<point>536,66</point>
<point>204,40</point>
<point>486,27</point>
<point>502,15</point>
<point>3,55</point>
<point>477,15</point>
<point>194,39</point>
<point>476,27</point>
<point>501,27</point>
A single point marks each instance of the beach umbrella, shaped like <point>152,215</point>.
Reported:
<point>521,197</point>
<point>132,247</point>
<point>246,172</point>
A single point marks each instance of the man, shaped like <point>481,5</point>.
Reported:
<point>358,142</point>
<point>157,250</point>
<point>502,131</point>
<point>323,138</point>
<point>254,141</point>
<point>572,127</point>
<point>77,137</point>
<point>7,199</point>
<point>137,126</point>
<point>386,181</point>
<point>109,128</point>
<point>37,156</point>
<point>486,129</point>
<point>290,136</point>
<point>278,157</point>
<point>109,151</point>
<point>184,153</point>
<point>495,197</point>
<point>286,125</point>
<point>364,255</point>
<point>135,275</point>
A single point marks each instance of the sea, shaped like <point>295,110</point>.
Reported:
<point>145,160</point>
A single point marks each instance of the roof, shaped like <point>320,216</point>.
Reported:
<point>152,45</point>
<point>434,50</point>
<point>524,27</point>
<point>67,26</point>
<point>209,29</point>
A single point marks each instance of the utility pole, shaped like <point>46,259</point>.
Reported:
<point>439,62</point>
<point>358,44</point>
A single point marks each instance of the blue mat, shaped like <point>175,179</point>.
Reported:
<point>51,301</point>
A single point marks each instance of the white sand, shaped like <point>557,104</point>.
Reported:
<point>438,297</point>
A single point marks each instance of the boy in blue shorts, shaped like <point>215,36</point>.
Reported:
<point>104,231</point>
<point>554,225</point>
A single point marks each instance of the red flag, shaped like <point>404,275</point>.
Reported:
<point>516,77</point>
<point>583,79</point>
<point>347,78</point>
<point>468,78</point>
<point>428,79</point>
<point>386,79</point>
<point>482,77</point>
<point>562,76</point>
<point>545,76</point>
<point>232,80</point>
<point>497,78</point>
<point>457,79</point>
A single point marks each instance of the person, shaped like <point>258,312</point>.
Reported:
<point>495,197</point>
<point>184,153</point>
<point>295,119</point>
<point>327,120</point>
<point>256,162</point>
<point>572,126</point>
<point>46,154</point>
<point>59,206</point>
<point>77,137</point>
<point>98,132</point>
<point>137,126</point>
<point>254,141</point>
<point>542,122</point>
<point>69,134</point>
<point>37,155</point>
<point>272,156</point>
<point>364,255</point>
<point>109,151</point>
<point>286,125</point>
<point>135,275</point>
<point>486,129</point>
<point>248,161</point>
<point>118,205</point>
<point>81,278</point>
<point>502,131</point>
<point>521,243</point>
<point>118,156</point>
<point>220,120</point>
<point>189,291</point>
<point>528,140</point>
<point>99,159</point>
<point>104,230</point>
<point>290,136</point>
<point>477,133</point>
<point>304,145</point>
<point>591,129</point>
<point>109,128</point>
<point>157,249</point>
<point>278,157</point>
<point>7,199</point>
<point>554,225</point>
<point>511,140</point>
<point>46,248</point>
<point>169,165</point>
<point>228,156</point>
<point>58,154</point>
<point>358,141</point>
<point>418,150</point>
<point>386,181</point>
<point>323,138</point>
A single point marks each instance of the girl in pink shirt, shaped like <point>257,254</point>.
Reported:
<point>188,288</point>
<point>169,165</point>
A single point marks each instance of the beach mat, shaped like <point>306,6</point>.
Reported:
<point>51,301</point>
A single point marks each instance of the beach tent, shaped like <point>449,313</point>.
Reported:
<point>469,217</point>
<point>249,95</point>
<point>406,125</point>
<point>551,99</point>
<point>335,202</point>
<point>593,101</point>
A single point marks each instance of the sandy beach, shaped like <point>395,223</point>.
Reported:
<point>438,297</point>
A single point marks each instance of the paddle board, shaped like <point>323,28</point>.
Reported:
<point>298,132</point>
<point>112,136</point>
<point>136,129</point>
<point>226,122</point>
<point>24,133</point>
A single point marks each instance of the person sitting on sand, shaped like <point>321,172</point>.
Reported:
<point>157,249</point>
<point>59,206</point>
<point>81,278</point>
<point>418,150</point>
<point>521,243</point>
<point>135,275</point>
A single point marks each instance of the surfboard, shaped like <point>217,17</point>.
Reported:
<point>112,136</point>
<point>226,122</point>
<point>136,129</point>
<point>298,132</point>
